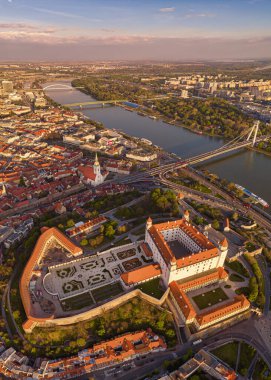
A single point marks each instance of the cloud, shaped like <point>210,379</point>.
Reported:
<point>167,10</point>
<point>200,15</point>
<point>18,26</point>
<point>56,13</point>
<point>134,48</point>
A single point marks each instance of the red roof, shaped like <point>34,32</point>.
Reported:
<point>87,172</point>
<point>141,274</point>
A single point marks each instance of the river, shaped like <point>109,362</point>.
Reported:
<point>247,168</point>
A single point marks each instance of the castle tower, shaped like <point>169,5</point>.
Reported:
<point>223,246</point>
<point>149,223</point>
<point>4,191</point>
<point>148,226</point>
<point>96,166</point>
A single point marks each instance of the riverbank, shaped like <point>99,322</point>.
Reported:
<point>244,167</point>
<point>159,117</point>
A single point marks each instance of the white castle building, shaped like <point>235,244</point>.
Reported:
<point>182,251</point>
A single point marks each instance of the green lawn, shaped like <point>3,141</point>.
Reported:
<point>122,241</point>
<point>210,298</point>
<point>107,291</point>
<point>236,278</point>
<point>77,302</point>
<point>261,371</point>
<point>244,290</point>
<point>227,353</point>
<point>153,288</point>
<point>139,231</point>
<point>247,354</point>
<point>238,267</point>
<point>219,196</point>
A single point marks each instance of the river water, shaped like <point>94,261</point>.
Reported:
<point>247,168</point>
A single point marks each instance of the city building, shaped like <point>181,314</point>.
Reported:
<point>92,174</point>
<point>205,361</point>
<point>182,250</point>
<point>7,87</point>
<point>15,365</point>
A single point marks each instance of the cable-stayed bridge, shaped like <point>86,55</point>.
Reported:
<point>248,138</point>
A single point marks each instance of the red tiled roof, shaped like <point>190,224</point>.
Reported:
<point>87,172</point>
<point>182,301</point>
<point>224,243</point>
<point>141,274</point>
<point>208,250</point>
<point>218,274</point>
<point>34,260</point>
<point>239,302</point>
<point>145,247</point>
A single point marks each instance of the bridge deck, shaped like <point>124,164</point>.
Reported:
<point>95,102</point>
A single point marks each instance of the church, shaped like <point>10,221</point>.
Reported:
<point>92,174</point>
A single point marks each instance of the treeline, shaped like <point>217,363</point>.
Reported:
<point>109,89</point>
<point>213,115</point>
<point>158,201</point>
<point>256,283</point>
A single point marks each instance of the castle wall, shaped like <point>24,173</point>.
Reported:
<point>97,311</point>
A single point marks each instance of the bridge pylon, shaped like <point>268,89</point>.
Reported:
<point>255,132</point>
<point>250,132</point>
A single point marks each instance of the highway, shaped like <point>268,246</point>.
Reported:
<point>230,203</point>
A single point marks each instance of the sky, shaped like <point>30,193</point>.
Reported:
<point>163,30</point>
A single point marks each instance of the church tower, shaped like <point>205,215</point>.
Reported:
<point>96,166</point>
<point>4,191</point>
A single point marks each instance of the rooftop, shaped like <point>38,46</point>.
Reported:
<point>174,251</point>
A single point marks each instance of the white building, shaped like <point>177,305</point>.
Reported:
<point>92,174</point>
<point>182,251</point>
<point>7,86</point>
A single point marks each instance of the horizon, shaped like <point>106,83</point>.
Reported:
<point>118,30</point>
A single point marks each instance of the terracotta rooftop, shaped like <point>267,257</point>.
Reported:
<point>87,172</point>
<point>146,249</point>
<point>179,293</point>
<point>141,274</point>
<point>34,261</point>
<point>224,243</point>
<point>239,302</point>
<point>182,301</point>
<point>216,275</point>
<point>207,249</point>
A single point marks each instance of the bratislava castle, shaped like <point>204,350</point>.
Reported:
<point>183,251</point>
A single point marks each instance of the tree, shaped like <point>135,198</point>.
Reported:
<point>216,224</point>
<point>101,331</point>
<point>84,242</point>
<point>160,325</point>
<point>260,300</point>
<point>70,223</point>
<point>81,342</point>
<point>170,333</point>
<point>93,242</point>
<point>22,182</point>
<point>109,231</point>
<point>235,216</point>
<point>253,289</point>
